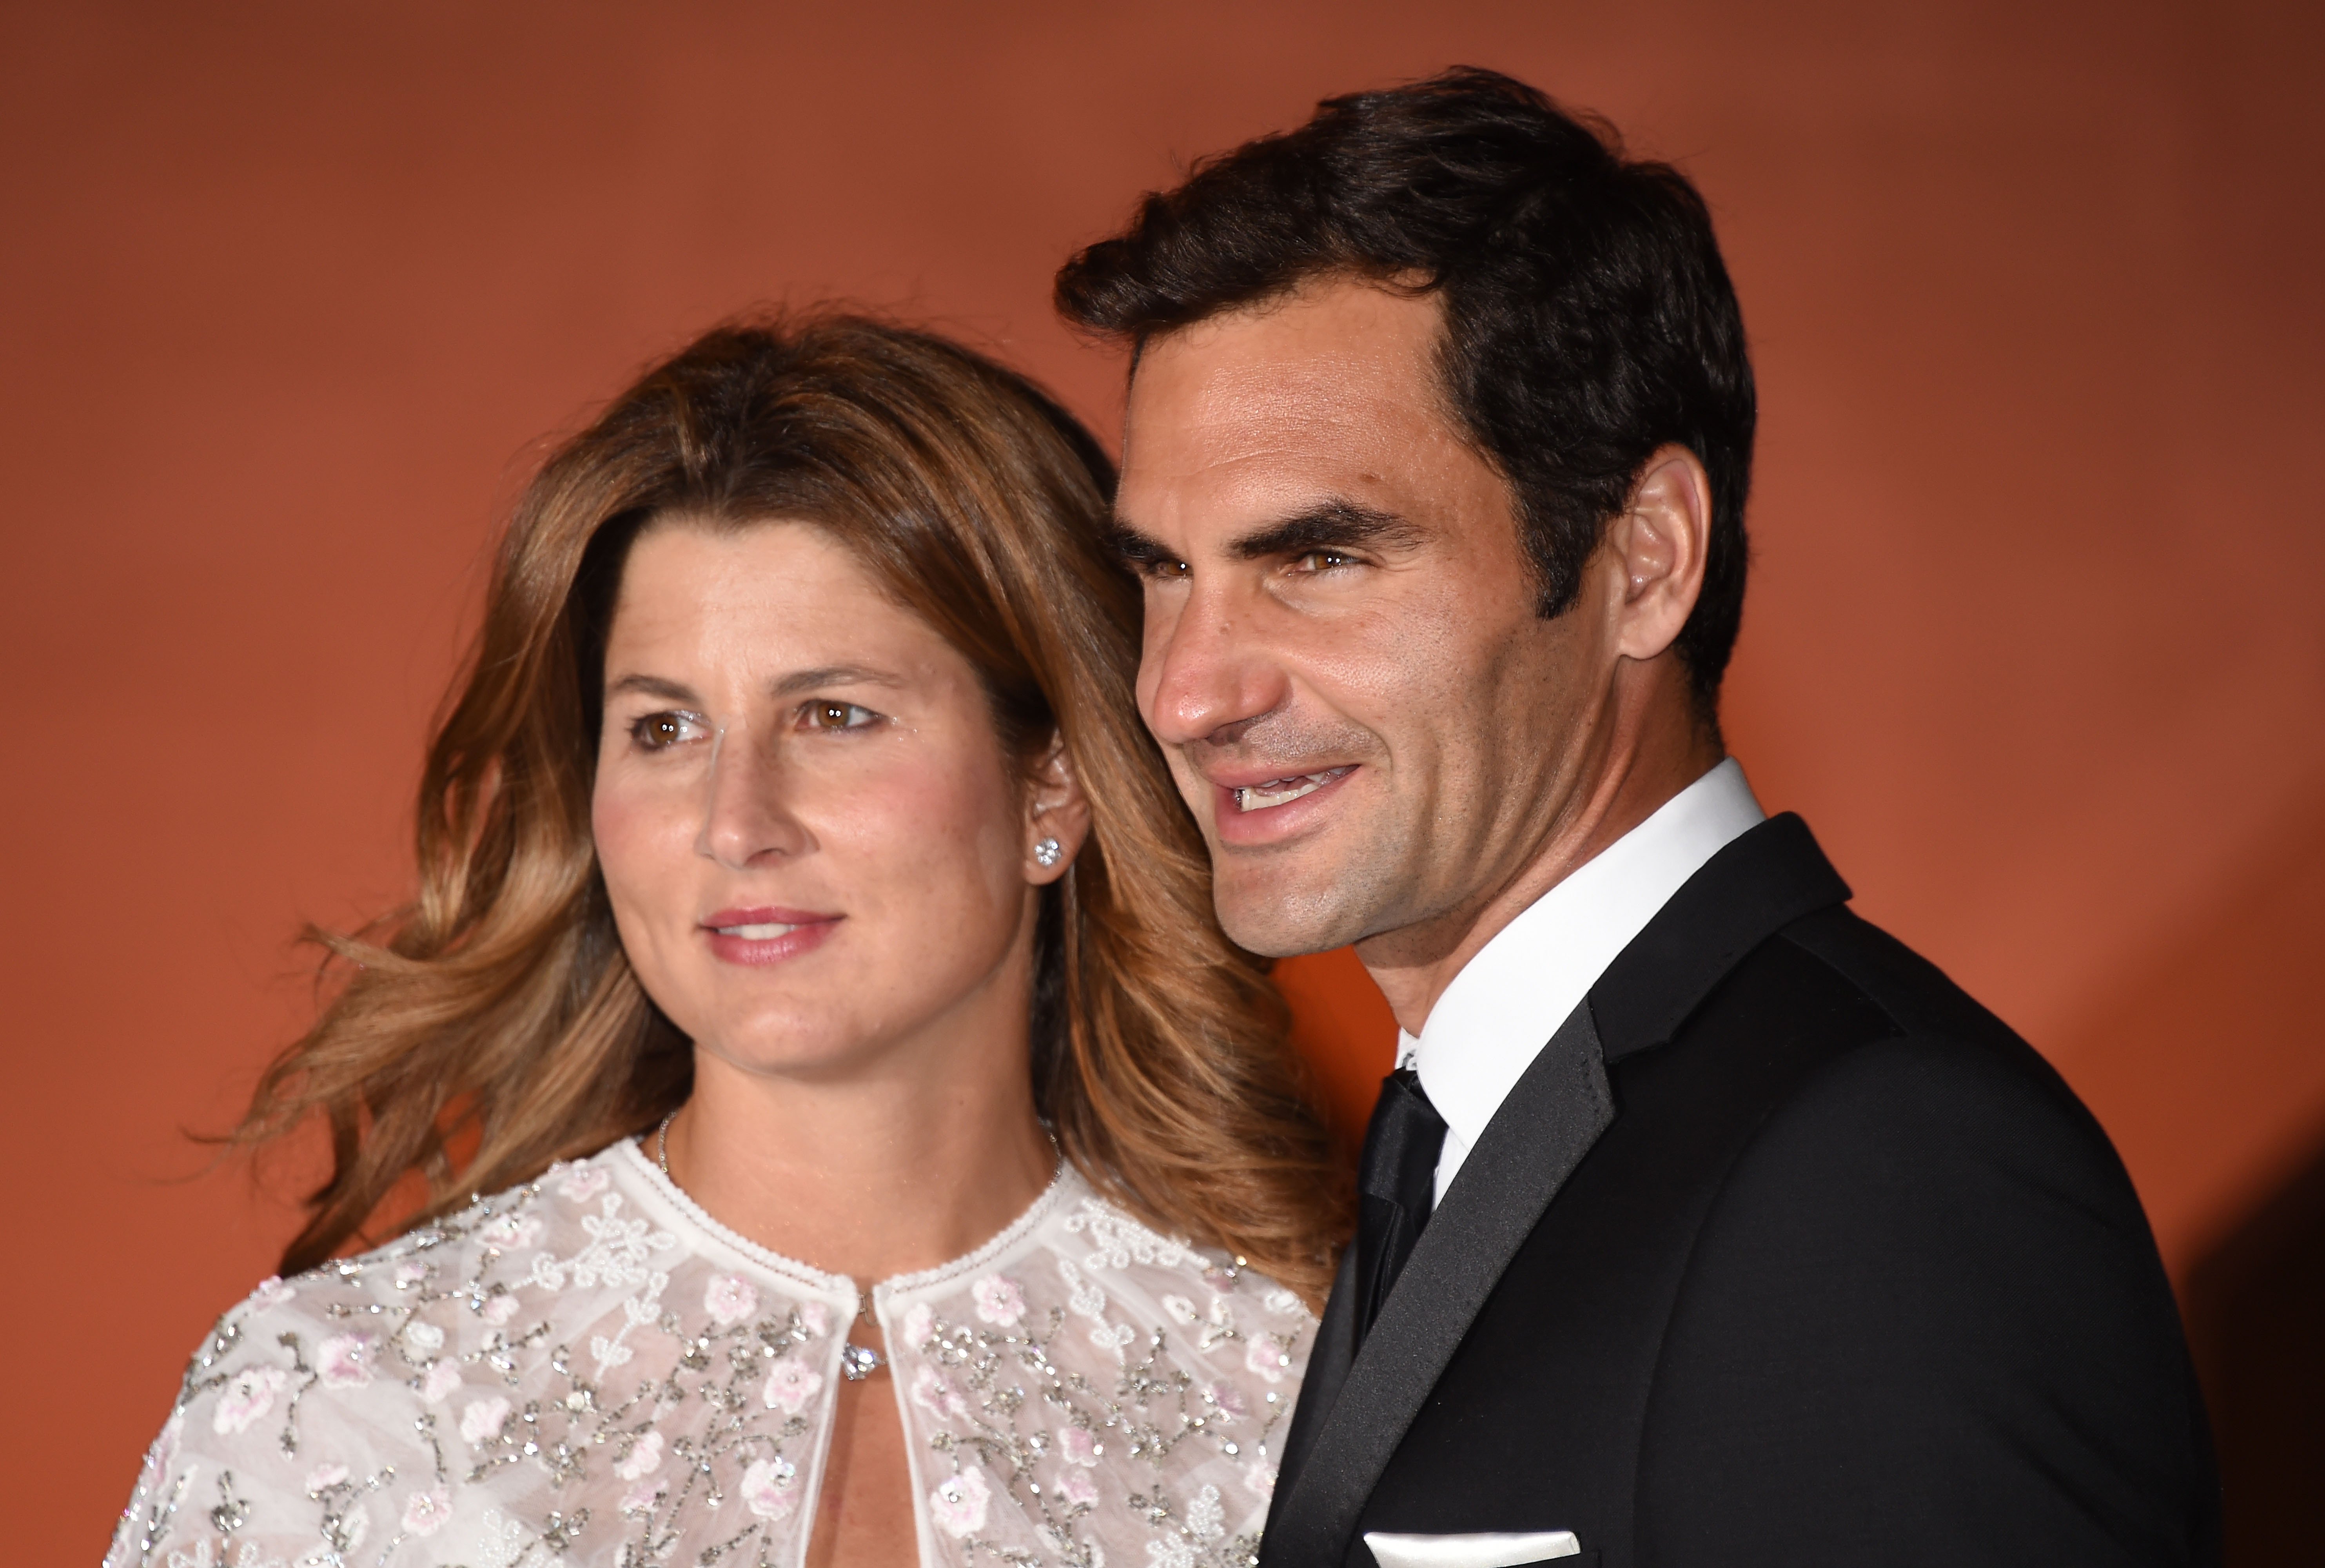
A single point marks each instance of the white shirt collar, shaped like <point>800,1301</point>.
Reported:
<point>1508,1001</point>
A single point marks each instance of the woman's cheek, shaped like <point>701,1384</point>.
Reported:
<point>635,839</point>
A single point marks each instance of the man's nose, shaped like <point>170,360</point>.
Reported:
<point>1208,670</point>
<point>745,817</point>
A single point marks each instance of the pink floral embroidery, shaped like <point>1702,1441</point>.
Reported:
<point>960,1502</point>
<point>791,1385</point>
<point>427,1512</point>
<point>482,1421</point>
<point>1000,1301</point>
<point>585,1184</point>
<point>729,1299</point>
<point>766,1487</point>
<point>934,1391</point>
<point>436,1384</point>
<point>390,1323</point>
<point>1266,1357</point>
<point>1076,1445</point>
<point>248,1394</point>
<point>644,1458</point>
<point>344,1360</point>
<point>510,1233</point>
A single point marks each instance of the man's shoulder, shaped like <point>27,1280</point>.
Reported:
<point>1923,1259</point>
<point>1832,1055</point>
<point>1906,1108</point>
<point>1895,1032</point>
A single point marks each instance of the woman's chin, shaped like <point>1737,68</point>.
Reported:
<point>805,1049</point>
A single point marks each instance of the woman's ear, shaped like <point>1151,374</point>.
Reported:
<point>1057,816</point>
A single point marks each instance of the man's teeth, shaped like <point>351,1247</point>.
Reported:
<point>1275,792</point>
<point>756,932</point>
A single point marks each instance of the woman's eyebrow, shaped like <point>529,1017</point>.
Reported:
<point>651,686</point>
<point>803,681</point>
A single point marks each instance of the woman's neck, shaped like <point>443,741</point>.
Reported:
<point>903,1167</point>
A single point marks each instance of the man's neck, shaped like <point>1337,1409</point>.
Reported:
<point>1650,754</point>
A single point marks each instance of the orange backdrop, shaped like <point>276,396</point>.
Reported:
<point>287,296</point>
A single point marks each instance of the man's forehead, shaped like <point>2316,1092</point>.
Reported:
<point>1332,379</point>
<point>1323,345</point>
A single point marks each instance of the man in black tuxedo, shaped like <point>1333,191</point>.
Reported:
<point>1702,1222</point>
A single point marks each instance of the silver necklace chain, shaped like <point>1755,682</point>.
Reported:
<point>856,1362</point>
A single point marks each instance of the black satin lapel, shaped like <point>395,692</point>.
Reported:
<point>1531,1146</point>
<point>1328,1372</point>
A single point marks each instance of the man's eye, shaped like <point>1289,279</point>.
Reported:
<point>1323,560</point>
<point>661,731</point>
<point>836,716</point>
<point>1163,569</point>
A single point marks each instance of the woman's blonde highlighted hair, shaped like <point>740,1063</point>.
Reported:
<point>498,1009</point>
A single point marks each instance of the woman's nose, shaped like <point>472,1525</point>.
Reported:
<point>745,819</point>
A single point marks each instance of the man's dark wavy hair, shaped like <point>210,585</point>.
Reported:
<point>1589,319</point>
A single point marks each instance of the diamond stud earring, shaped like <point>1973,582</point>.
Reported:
<point>1048,851</point>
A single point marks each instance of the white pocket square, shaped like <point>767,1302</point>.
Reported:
<point>1492,1549</point>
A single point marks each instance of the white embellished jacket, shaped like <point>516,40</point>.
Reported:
<point>590,1369</point>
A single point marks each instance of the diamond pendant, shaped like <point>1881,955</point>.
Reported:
<point>859,1362</point>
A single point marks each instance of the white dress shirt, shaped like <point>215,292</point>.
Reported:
<point>1506,1002</point>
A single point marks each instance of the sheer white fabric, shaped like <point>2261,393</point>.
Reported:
<point>589,1369</point>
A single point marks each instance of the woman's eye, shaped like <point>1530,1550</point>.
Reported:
<point>837,716</point>
<point>661,731</point>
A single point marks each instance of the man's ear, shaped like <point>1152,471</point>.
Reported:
<point>1057,813</point>
<point>1660,540</point>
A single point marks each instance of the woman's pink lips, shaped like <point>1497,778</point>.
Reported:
<point>812,931</point>
<point>768,915</point>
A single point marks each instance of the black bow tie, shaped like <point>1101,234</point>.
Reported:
<point>1396,1182</point>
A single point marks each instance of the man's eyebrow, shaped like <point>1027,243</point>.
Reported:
<point>1338,523</point>
<point>1133,549</point>
<point>1347,524</point>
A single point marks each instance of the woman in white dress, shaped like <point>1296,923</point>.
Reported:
<point>890,1161</point>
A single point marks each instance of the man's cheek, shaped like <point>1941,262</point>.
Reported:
<point>1194,789</point>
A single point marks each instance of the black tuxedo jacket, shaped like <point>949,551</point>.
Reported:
<point>1784,1251</point>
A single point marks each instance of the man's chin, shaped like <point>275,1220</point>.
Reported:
<point>1274,924</point>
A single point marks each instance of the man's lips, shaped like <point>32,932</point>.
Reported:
<point>1280,789</point>
<point>1250,808</point>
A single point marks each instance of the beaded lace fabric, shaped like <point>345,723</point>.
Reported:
<point>590,1369</point>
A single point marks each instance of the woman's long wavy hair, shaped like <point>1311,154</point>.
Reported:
<point>498,1012</point>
